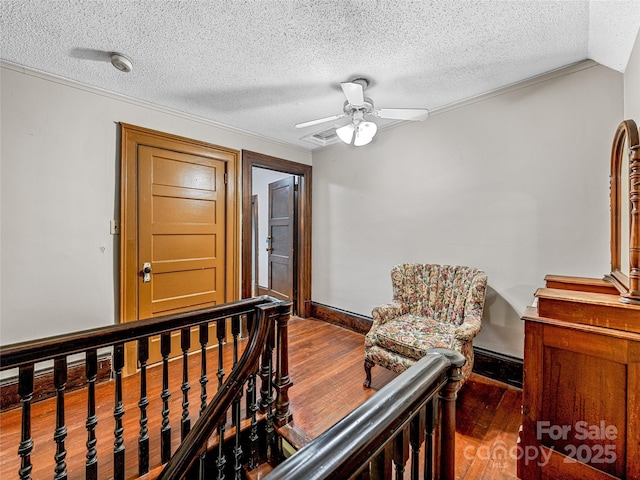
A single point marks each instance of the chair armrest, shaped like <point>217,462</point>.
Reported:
<point>384,313</point>
<point>469,328</point>
<point>474,306</point>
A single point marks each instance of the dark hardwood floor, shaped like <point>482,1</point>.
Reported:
<point>326,366</point>
<point>325,391</point>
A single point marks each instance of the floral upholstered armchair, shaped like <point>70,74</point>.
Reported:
<point>433,306</point>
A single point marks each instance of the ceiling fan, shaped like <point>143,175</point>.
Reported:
<point>361,131</point>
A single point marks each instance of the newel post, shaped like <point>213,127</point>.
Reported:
<point>283,381</point>
<point>448,397</point>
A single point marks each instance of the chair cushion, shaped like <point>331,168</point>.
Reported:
<point>411,335</point>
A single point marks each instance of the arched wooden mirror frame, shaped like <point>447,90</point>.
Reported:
<point>625,142</point>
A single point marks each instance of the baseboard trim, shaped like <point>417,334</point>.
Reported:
<point>349,320</point>
<point>498,366</point>
<point>43,382</point>
<point>494,365</point>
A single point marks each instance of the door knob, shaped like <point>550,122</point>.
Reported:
<point>146,272</point>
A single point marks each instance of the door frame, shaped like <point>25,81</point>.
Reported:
<point>255,258</point>
<point>131,137</point>
<point>302,254</point>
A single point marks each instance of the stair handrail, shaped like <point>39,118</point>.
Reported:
<point>34,351</point>
<point>346,448</point>
<point>195,442</point>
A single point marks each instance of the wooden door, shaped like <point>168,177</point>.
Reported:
<point>181,222</point>
<point>178,212</point>
<point>281,231</point>
<point>302,247</point>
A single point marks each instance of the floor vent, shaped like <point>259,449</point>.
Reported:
<point>323,138</point>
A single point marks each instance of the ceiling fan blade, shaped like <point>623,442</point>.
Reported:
<point>320,120</point>
<point>416,114</point>
<point>354,93</point>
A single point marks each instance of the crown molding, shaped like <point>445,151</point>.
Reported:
<point>50,77</point>
<point>544,77</point>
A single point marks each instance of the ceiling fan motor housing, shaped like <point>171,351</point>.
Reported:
<point>365,108</point>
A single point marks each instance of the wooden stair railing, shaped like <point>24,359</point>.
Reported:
<point>244,372</point>
<point>378,438</point>
<point>260,313</point>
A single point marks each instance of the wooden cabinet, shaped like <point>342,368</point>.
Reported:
<point>581,394</point>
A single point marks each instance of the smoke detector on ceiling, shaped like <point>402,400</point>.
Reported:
<point>121,62</point>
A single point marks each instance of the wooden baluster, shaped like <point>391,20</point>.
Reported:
<point>201,469</point>
<point>430,452</point>
<point>60,434</point>
<point>270,435</point>
<point>266,391</point>
<point>237,448</point>
<point>416,438</point>
<point>165,429</point>
<point>283,381</point>
<point>266,370</point>
<point>235,331</point>
<point>249,390</point>
<point>401,452</point>
<point>221,461</point>
<point>221,332</point>
<point>204,339</point>
<point>185,343</point>
<point>118,413</point>
<point>143,438</point>
<point>252,407</point>
<point>25,389</point>
<point>202,466</point>
<point>381,465</point>
<point>91,367</point>
<point>250,320</point>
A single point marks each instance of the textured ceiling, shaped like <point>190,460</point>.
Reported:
<point>263,66</point>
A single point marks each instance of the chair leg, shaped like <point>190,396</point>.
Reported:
<point>368,364</point>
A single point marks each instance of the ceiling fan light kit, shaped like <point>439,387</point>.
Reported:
<point>361,131</point>
<point>346,133</point>
<point>365,131</point>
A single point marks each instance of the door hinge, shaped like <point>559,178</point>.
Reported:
<point>226,178</point>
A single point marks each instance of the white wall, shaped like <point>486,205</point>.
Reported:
<point>516,185</point>
<point>632,84</point>
<point>59,175</point>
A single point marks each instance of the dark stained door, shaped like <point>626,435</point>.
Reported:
<point>281,231</point>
